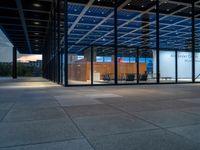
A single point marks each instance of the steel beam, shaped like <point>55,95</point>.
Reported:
<point>21,14</point>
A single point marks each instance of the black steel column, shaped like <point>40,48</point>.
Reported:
<point>43,62</point>
<point>54,42</point>
<point>138,69</point>
<point>116,43</point>
<point>193,41</point>
<point>58,41</point>
<point>50,43</point>
<point>14,66</point>
<point>92,79</point>
<point>61,66</point>
<point>176,66</point>
<point>66,41</point>
<point>158,42</point>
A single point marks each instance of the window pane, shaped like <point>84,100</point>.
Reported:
<point>79,65</point>
<point>103,65</point>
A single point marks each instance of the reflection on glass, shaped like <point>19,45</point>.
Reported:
<point>176,34</point>
<point>79,65</point>
<point>167,66</point>
<point>103,65</point>
<point>197,42</point>
<point>127,65</point>
<point>147,66</point>
<point>184,66</point>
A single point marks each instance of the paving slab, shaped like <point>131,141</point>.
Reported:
<point>79,144</point>
<point>168,118</point>
<point>111,124</point>
<point>6,105</point>
<point>175,104</point>
<point>3,114</point>
<point>76,100</point>
<point>32,132</point>
<point>191,132</point>
<point>191,100</point>
<point>101,95</point>
<point>131,107</point>
<point>149,140</point>
<point>90,110</point>
<point>38,103</point>
<point>34,114</point>
<point>193,110</point>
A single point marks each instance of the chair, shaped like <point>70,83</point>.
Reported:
<point>143,77</point>
<point>106,77</point>
<point>130,77</point>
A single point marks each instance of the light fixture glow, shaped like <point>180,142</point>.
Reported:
<point>36,23</point>
<point>36,5</point>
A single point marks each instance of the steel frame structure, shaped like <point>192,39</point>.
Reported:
<point>59,44</point>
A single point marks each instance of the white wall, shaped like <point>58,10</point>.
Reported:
<point>167,64</point>
<point>6,54</point>
<point>5,48</point>
<point>184,65</point>
<point>197,64</point>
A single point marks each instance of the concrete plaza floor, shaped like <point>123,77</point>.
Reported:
<point>39,115</point>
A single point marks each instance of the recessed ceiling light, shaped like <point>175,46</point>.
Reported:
<point>36,5</point>
<point>36,33</point>
<point>36,23</point>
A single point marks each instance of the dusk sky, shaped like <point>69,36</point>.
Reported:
<point>6,51</point>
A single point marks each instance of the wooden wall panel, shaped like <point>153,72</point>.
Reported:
<point>81,71</point>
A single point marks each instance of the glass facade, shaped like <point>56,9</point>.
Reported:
<point>130,42</point>
<point>197,40</point>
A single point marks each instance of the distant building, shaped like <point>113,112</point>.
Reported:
<point>37,63</point>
